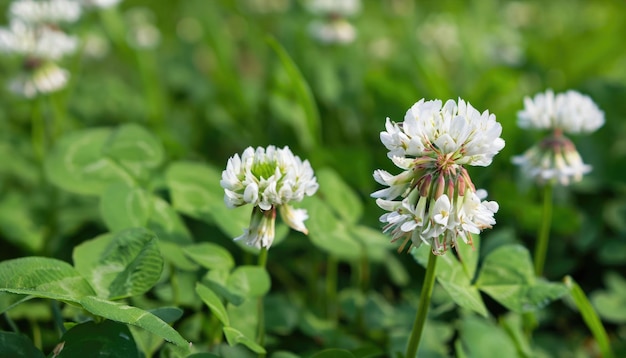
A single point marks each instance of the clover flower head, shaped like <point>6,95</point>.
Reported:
<point>45,11</point>
<point>333,31</point>
<point>268,178</point>
<point>570,112</point>
<point>46,78</point>
<point>334,7</point>
<point>555,158</point>
<point>40,42</point>
<point>102,4</point>
<point>434,201</point>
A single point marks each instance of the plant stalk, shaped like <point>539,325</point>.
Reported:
<point>422,308</point>
<point>543,236</point>
<point>261,328</point>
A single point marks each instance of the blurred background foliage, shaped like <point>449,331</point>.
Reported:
<point>212,80</point>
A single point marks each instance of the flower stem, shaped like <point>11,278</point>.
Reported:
<point>422,308</point>
<point>261,328</point>
<point>331,288</point>
<point>544,231</point>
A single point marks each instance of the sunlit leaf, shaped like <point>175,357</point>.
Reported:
<point>338,195</point>
<point>234,337</point>
<point>134,316</point>
<point>77,163</point>
<point>214,303</point>
<point>507,276</point>
<point>121,265</point>
<point>123,206</point>
<point>454,278</point>
<point>134,148</point>
<point>210,256</point>
<point>43,277</point>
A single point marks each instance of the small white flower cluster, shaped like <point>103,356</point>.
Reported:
<point>555,159</point>
<point>333,28</point>
<point>35,35</point>
<point>269,179</point>
<point>438,203</point>
<point>570,112</point>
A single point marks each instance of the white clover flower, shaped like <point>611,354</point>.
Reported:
<point>555,159</point>
<point>333,31</point>
<point>46,78</point>
<point>438,203</point>
<point>334,7</point>
<point>102,4</point>
<point>41,42</point>
<point>45,11</point>
<point>269,179</point>
<point>570,112</point>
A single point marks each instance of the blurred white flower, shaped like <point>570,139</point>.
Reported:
<point>333,31</point>
<point>269,179</point>
<point>334,7</point>
<point>45,78</point>
<point>438,203</point>
<point>103,4</point>
<point>570,112</point>
<point>41,42</point>
<point>45,11</point>
<point>142,33</point>
<point>555,158</point>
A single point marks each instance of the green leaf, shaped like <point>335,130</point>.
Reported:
<point>43,277</point>
<point>123,206</point>
<point>453,277</point>
<point>375,244</point>
<point>308,133</point>
<point>217,280</point>
<point>328,233</point>
<point>249,281</point>
<point>122,265</point>
<point>196,191</point>
<point>333,353</point>
<point>513,325</point>
<point>17,224</point>
<point>339,196</point>
<point>590,317</point>
<point>77,163</point>
<point>105,339</point>
<point>210,256</point>
<point>17,345</point>
<point>215,304</point>
<point>507,276</point>
<point>234,337</point>
<point>134,316</point>
<point>134,148</point>
<point>168,314</point>
<point>281,314</point>
<point>174,254</point>
<point>481,338</point>
<point>166,223</point>
<point>611,303</point>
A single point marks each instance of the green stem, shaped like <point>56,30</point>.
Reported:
<point>11,323</point>
<point>58,317</point>
<point>331,288</point>
<point>422,308</point>
<point>590,317</point>
<point>543,237</point>
<point>38,130</point>
<point>58,111</point>
<point>261,328</point>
